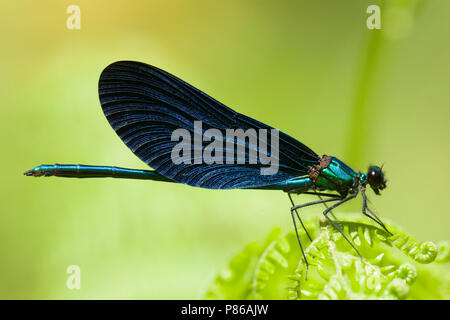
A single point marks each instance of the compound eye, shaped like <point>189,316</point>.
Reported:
<point>374,174</point>
<point>375,177</point>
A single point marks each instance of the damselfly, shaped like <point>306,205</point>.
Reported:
<point>145,105</point>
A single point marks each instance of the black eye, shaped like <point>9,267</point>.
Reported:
<point>375,177</point>
<point>374,174</point>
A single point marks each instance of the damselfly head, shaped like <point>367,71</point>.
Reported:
<point>375,177</point>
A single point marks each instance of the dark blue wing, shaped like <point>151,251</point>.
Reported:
<point>144,105</point>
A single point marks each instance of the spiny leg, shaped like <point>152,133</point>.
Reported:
<point>326,207</point>
<point>325,213</point>
<point>300,244</point>
<point>379,221</point>
<point>298,217</point>
<point>373,216</point>
<point>315,202</point>
<point>320,194</point>
<point>294,208</point>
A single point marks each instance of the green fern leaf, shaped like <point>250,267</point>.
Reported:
<point>392,267</point>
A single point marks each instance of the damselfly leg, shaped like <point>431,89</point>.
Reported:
<point>325,213</point>
<point>372,215</point>
<point>295,208</point>
<point>298,217</point>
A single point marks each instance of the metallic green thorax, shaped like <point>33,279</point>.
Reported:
<point>335,175</point>
<point>330,174</point>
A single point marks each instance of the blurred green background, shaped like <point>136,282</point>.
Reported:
<point>310,68</point>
